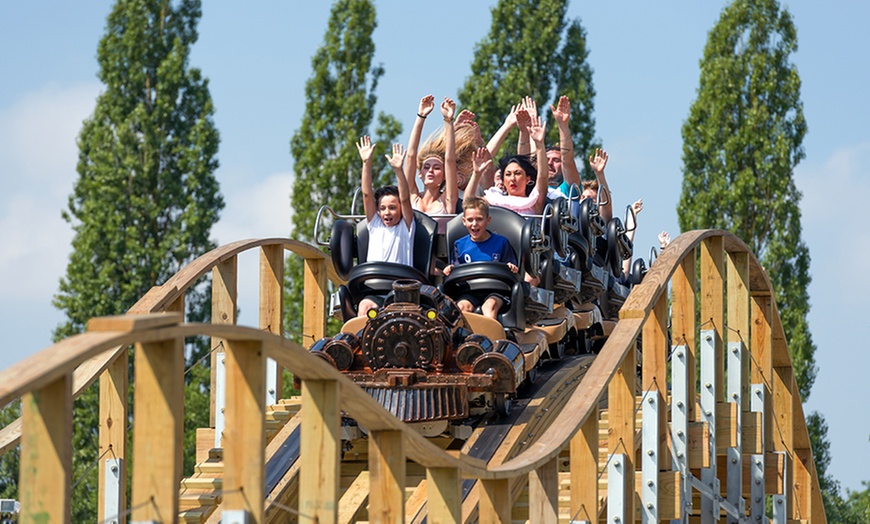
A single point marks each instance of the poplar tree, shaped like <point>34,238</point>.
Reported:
<point>145,199</point>
<point>339,109</point>
<point>741,143</point>
<point>532,50</point>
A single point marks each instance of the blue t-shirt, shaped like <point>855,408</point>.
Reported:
<point>496,248</point>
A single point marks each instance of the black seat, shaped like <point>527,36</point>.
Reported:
<point>376,278</point>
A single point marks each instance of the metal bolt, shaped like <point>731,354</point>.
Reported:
<point>617,463</point>
<point>735,350</point>
<point>708,338</point>
<point>649,452</point>
<point>223,361</point>
<point>679,403</point>
<point>757,481</point>
<point>271,391</point>
<point>779,501</point>
<point>650,400</point>
<point>679,454</point>
<point>650,483</point>
<point>679,432</point>
<point>222,410</point>
<point>615,519</point>
<point>708,385</point>
<point>757,462</point>
<point>733,460</point>
<point>757,499</point>
<point>708,413</point>
<point>757,391</point>
<point>734,396</point>
<point>680,354</point>
<point>114,468</point>
<point>649,505</point>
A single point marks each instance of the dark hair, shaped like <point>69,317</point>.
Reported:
<point>383,191</point>
<point>554,148</point>
<point>523,162</point>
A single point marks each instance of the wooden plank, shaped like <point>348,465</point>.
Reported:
<point>655,347</point>
<point>320,451</point>
<point>683,325</point>
<point>134,322</point>
<point>46,453</point>
<point>762,358</point>
<point>272,296</point>
<point>443,489</point>
<point>783,418</point>
<point>669,486</point>
<point>224,295</point>
<point>244,440</point>
<point>314,302</point>
<point>354,499</point>
<point>739,316</point>
<point>713,301</point>
<point>621,419</point>
<point>584,470</point>
<point>698,445</point>
<point>113,431</point>
<point>10,436</point>
<point>495,501</point>
<point>158,404</point>
<point>387,467</point>
<point>544,493</point>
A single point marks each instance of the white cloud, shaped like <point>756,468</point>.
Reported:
<point>256,211</point>
<point>38,147</point>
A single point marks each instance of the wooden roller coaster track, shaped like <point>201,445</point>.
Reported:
<point>714,430</point>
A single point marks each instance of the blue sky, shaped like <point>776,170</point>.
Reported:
<point>258,56</point>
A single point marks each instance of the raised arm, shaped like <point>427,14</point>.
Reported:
<point>501,135</point>
<point>537,132</point>
<point>427,104</point>
<point>637,207</point>
<point>404,193</point>
<point>524,144</point>
<point>451,185</point>
<point>365,148</point>
<point>598,161</point>
<point>562,115</point>
<point>482,162</point>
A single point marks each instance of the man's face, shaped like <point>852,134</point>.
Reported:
<point>554,163</point>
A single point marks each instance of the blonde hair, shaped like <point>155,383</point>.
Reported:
<point>473,202</point>
<point>467,140</point>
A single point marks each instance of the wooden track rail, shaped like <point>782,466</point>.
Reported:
<point>719,444</point>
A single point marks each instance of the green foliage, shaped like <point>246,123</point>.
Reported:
<point>741,142</point>
<point>531,51</point>
<point>146,197</point>
<point>9,461</point>
<point>855,508</point>
<point>339,108</point>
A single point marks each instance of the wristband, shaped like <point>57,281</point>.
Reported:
<point>421,116</point>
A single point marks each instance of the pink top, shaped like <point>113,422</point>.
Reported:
<point>415,201</point>
<point>522,205</point>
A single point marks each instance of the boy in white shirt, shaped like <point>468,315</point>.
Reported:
<point>389,215</point>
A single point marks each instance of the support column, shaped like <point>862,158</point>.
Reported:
<point>320,452</point>
<point>387,477</point>
<point>544,493</point>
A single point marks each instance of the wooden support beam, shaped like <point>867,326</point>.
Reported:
<point>584,470</point>
<point>495,501</point>
<point>683,326</point>
<point>739,316</point>
<point>783,418</point>
<point>158,407</point>
<point>713,301</point>
<point>762,357</point>
<point>46,453</point>
<point>320,452</point>
<point>387,484</point>
<point>314,302</point>
<point>244,439</point>
<point>444,493</point>
<point>224,295</point>
<point>272,296</point>
<point>113,432</point>
<point>655,347</point>
<point>621,419</point>
<point>544,493</point>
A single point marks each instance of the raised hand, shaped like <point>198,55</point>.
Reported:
<point>465,117</point>
<point>427,104</point>
<point>365,148</point>
<point>398,157</point>
<point>531,106</point>
<point>511,118</point>
<point>524,120</point>
<point>664,239</point>
<point>562,113</point>
<point>537,131</point>
<point>637,207</point>
<point>598,160</point>
<point>448,107</point>
<point>481,159</point>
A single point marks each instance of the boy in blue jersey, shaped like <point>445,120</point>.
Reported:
<point>481,246</point>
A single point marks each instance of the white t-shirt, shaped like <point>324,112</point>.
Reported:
<point>391,244</point>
